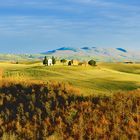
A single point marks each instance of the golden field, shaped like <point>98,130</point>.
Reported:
<point>105,78</point>
<point>70,102</point>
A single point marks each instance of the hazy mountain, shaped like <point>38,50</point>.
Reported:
<point>100,54</point>
<point>82,53</point>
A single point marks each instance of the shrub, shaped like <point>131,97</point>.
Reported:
<point>92,63</point>
<point>63,61</point>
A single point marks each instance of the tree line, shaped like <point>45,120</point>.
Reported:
<point>45,61</point>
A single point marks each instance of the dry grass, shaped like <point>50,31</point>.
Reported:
<point>53,110</point>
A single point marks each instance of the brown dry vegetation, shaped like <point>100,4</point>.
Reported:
<point>40,111</point>
<point>34,110</point>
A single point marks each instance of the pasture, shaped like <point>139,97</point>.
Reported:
<point>105,78</point>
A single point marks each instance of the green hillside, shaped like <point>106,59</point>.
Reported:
<point>104,78</point>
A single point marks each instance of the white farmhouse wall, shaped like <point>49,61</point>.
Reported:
<point>49,62</point>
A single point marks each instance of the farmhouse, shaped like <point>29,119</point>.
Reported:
<point>49,62</point>
<point>83,63</point>
<point>74,62</point>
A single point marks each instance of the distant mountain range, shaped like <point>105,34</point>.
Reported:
<point>100,54</point>
<point>83,53</point>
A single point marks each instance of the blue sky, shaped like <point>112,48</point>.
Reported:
<point>32,26</point>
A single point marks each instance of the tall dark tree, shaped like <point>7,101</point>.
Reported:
<point>69,63</point>
<point>45,61</point>
<point>53,60</point>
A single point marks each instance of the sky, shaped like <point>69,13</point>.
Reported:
<point>34,26</point>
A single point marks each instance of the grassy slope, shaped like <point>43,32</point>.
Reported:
<point>128,68</point>
<point>105,78</point>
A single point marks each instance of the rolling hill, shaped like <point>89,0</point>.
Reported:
<point>83,53</point>
<point>105,78</point>
<point>100,54</point>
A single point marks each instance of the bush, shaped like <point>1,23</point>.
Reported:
<point>92,63</point>
<point>63,61</point>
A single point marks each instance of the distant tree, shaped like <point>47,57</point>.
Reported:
<point>69,63</point>
<point>53,60</point>
<point>63,61</point>
<point>92,63</point>
<point>45,61</point>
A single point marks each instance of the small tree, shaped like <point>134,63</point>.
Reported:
<point>63,61</point>
<point>69,63</point>
<point>92,63</point>
<point>53,60</point>
<point>45,61</point>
